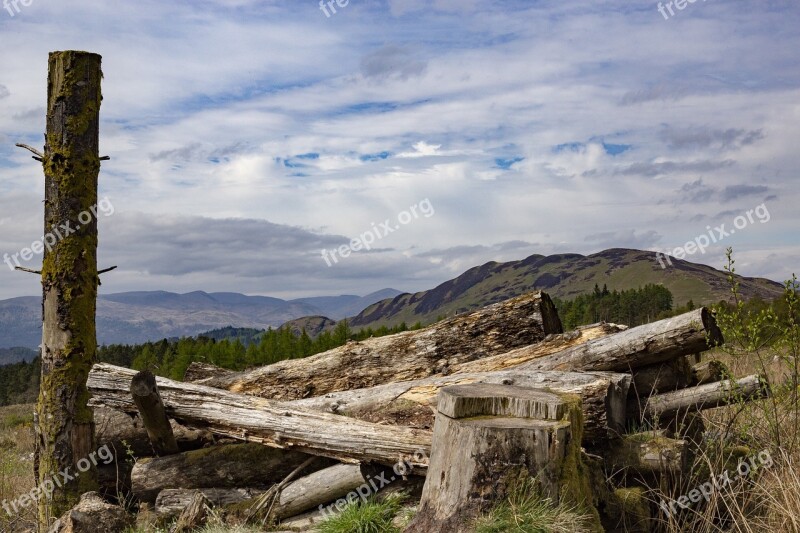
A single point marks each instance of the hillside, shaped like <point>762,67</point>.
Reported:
<point>16,355</point>
<point>136,317</point>
<point>563,276</point>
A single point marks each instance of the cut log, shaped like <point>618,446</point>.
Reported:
<point>709,372</point>
<point>268,422</point>
<point>151,409</point>
<point>645,345</point>
<point>672,404</point>
<point>230,466</point>
<point>434,350</point>
<point>647,453</point>
<point>663,377</point>
<point>171,502</point>
<point>412,403</point>
<point>476,459</point>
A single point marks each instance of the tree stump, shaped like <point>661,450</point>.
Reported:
<point>485,438</point>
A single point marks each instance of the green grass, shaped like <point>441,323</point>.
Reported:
<point>525,511</point>
<point>369,517</point>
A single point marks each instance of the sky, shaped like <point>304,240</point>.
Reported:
<point>248,136</point>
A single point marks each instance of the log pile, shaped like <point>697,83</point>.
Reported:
<point>371,416</point>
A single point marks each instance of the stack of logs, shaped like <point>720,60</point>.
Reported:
<point>475,399</point>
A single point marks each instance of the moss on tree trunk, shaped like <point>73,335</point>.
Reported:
<point>65,428</point>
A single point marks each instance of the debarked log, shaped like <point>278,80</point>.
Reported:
<point>434,350</point>
<point>650,344</point>
<point>413,403</point>
<point>272,423</point>
<point>709,396</point>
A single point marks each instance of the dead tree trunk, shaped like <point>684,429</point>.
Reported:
<point>405,356</point>
<point>65,430</point>
<point>145,395</point>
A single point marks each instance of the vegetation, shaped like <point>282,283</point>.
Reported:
<point>19,383</point>
<point>526,511</point>
<point>372,516</point>
<point>632,307</point>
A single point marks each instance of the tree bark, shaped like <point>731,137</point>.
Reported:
<point>709,372</point>
<point>193,516</point>
<point>151,408</point>
<point>232,466</point>
<point>413,403</point>
<point>672,404</point>
<point>171,502</point>
<point>662,377</point>
<point>271,423</point>
<point>650,344</point>
<point>405,356</point>
<point>65,430</point>
<point>482,447</point>
<point>647,453</point>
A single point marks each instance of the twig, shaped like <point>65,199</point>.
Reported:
<point>28,270</point>
<point>106,270</point>
<point>268,499</point>
<point>105,158</point>
<point>38,155</point>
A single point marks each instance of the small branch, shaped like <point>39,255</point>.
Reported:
<point>39,156</point>
<point>105,158</point>
<point>28,270</point>
<point>106,270</point>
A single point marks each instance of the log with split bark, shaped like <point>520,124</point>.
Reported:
<point>272,423</point>
<point>434,350</point>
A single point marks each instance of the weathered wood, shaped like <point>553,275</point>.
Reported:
<point>671,404</point>
<point>476,459</point>
<point>198,372</point>
<point>709,372</point>
<point>171,502</point>
<point>193,516</point>
<point>64,427</point>
<point>644,345</point>
<point>151,408</point>
<point>230,466</point>
<point>648,452</point>
<point>434,350</point>
<point>662,377</point>
<point>124,433</point>
<point>413,403</point>
<point>268,422</point>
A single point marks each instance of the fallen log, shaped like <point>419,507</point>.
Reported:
<point>267,422</point>
<point>171,502</point>
<point>412,403</point>
<point>709,372</point>
<point>197,372</point>
<point>434,350</point>
<point>671,404</point>
<point>650,344</point>
<point>663,377</point>
<point>647,453</point>
<point>230,466</point>
<point>193,516</point>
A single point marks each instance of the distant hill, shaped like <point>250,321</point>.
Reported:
<point>136,317</point>
<point>314,325</point>
<point>564,276</point>
<point>16,355</point>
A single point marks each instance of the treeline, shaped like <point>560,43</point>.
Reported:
<point>19,382</point>
<point>632,307</point>
<point>171,358</point>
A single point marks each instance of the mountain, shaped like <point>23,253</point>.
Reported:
<point>314,325</point>
<point>16,355</point>
<point>564,276</point>
<point>338,307</point>
<point>136,317</point>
